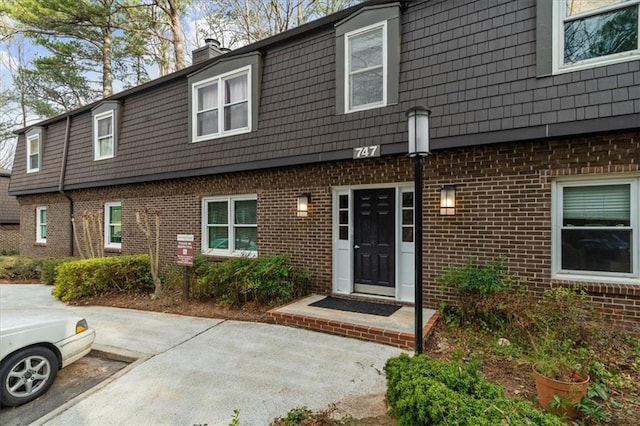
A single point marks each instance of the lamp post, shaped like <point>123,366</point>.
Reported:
<point>418,122</point>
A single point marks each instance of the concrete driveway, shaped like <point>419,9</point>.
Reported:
<point>198,371</point>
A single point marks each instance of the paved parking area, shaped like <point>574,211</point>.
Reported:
<point>197,371</point>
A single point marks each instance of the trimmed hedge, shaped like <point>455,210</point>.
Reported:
<point>429,392</point>
<point>90,277</point>
<point>267,280</point>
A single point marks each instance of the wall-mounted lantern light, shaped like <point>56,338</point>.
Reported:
<point>448,200</point>
<point>303,204</point>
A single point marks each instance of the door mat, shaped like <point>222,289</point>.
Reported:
<point>356,306</point>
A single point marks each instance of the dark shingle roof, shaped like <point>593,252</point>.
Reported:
<point>9,207</point>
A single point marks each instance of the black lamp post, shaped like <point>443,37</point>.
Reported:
<point>418,118</point>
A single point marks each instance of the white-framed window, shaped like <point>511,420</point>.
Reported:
<point>103,136</point>
<point>595,229</point>
<point>594,32</point>
<point>366,67</point>
<point>230,225</point>
<point>113,225</point>
<point>33,153</point>
<point>41,225</point>
<point>221,105</point>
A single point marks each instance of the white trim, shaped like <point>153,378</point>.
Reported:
<point>107,225</point>
<point>347,67</point>
<point>556,226</point>
<point>342,250</point>
<point>39,238</point>
<point>29,153</point>
<point>219,80</point>
<point>557,37</point>
<point>96,142</point>
<point>230,251</point>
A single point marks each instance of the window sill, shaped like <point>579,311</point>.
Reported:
<point>40,244</point>
<point>221,135</point>
<point>113,249</point>
<point>609,288</point>
<point>230,255</point>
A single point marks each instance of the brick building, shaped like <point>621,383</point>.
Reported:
<point>535,121</point>
<point>9,215</point>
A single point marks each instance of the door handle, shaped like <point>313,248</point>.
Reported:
<point>356,246</point>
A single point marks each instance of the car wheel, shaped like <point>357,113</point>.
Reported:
<point>26,375</point>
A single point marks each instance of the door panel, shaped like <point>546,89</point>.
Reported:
<point>374,240</point>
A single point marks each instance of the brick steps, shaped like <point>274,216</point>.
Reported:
<point>358,331</point>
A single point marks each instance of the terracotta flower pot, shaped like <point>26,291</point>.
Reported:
<point>572,392</point>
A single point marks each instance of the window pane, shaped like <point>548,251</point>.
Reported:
<point>106,146</point>
<point>33,161</point>
<point>115,233</point>
<point>218,237</point>
<point>602,205</point>
<point>235,89</point>
<point>343,201</point>
<point>599,35</point>
<point>217,213</point>
<point>33,146</point>
<point>596,250</point>
<point>208,122</point>
<point>366,50</point>
<point>246,212</point>
<point>236,116</point>
<point>115,214</point>
<point>246,239</point>
<point>207,97</point>
<point>105,126</point>
<point>407,217</point>
<point>43,216</point>
<point>43,231</point>
<point>407,199</point>
<point>344,232</point>
<point>579,6</point>
<point>407,234</point>
<point>367,87</point>
<point>343,217</point>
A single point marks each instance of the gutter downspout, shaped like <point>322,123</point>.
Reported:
<point>63,171</point>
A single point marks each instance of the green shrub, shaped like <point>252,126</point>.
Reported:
<point>21,268</point>
<point>90,277</point>
<point>481,290</point>
<point>48,269</point>
<point>8,252</point>
<point>267,280</point>
<point>173,277</point>
<point>423,391</point>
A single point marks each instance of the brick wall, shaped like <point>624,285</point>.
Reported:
<point>9,236</point>
<point>503,208</point>
<point>58,225</point>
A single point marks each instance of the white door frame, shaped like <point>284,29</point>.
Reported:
<point>342,250</point>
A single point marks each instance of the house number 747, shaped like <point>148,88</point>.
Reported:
<point>366,151</point>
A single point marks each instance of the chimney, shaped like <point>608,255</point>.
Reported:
<point>211,49</point>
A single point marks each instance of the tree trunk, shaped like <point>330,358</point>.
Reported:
<point>107,71</point>
<point>178,37</point>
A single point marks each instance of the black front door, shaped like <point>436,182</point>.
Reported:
<point>374,241</point>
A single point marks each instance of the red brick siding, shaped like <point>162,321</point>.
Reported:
<point>58,225</point>
<point>503,208</point>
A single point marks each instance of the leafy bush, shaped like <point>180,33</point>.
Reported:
<point>267,280</point>
<point>480,290</point>
<point>8,252</point>
<point>173,277</point>
<point>424,391</point>
<point>48,269</point>
<point>90,277</point>
<point>21,268</point>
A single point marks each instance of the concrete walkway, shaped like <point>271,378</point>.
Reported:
<point>197,371</point>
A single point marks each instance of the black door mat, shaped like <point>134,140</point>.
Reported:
<point>356,306</point>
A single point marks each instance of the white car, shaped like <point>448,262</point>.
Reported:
<point>34,345</point>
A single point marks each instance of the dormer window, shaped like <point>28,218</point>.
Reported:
<point>33,153</point>
<point>34,140</point>
<point>222,105</point>
<point>105,130</point>
<point>368,59</point>
<point>366,67</point>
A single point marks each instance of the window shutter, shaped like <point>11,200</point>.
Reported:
<point>602,202</point>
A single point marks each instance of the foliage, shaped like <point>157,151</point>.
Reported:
<point>8,252</point>
<point>48,269</point>
<point>481,291</point>
<point>20,268</point>
<point>90,277</point>
<point>424,391</point>
<point>267,280</point>
<point>303,416</point>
